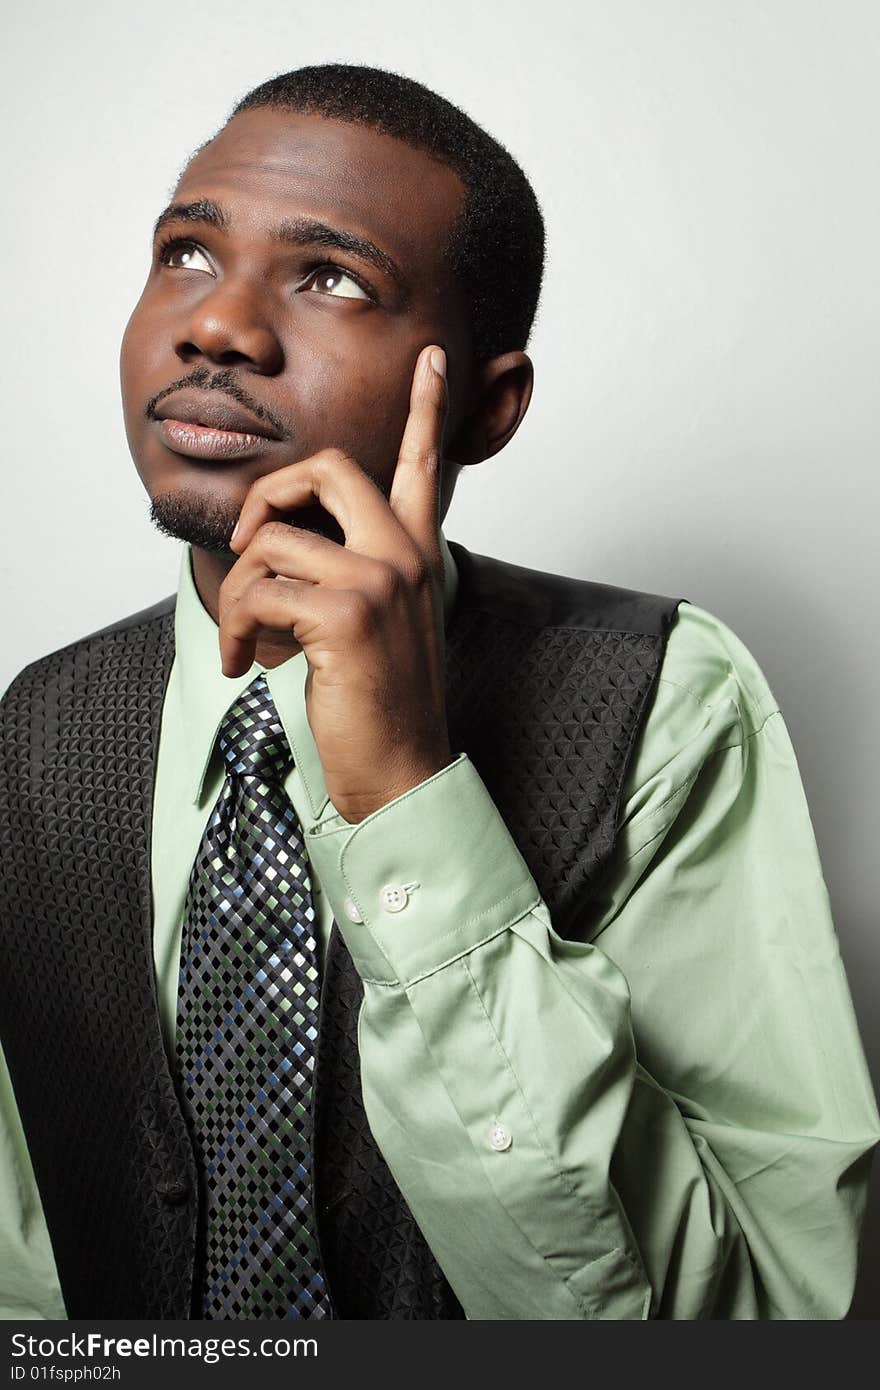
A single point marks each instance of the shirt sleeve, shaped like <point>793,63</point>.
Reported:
<point>670,1116</point>
<point>29,1286</point>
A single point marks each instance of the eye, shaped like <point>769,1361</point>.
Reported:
<point>187,251</point>
<point>335,279</point>
<point>339,283</point>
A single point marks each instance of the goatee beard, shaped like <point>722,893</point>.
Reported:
<point>208,522</point>
<point>188,516</point>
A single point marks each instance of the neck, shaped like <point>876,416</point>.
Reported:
<point>209,569</point>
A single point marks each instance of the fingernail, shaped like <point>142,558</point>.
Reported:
<point>438,361</point>
<point>234,529</point>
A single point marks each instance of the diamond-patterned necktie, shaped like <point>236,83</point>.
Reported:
<point>247,1024</point>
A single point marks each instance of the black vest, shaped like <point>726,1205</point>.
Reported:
<point>549,681</point>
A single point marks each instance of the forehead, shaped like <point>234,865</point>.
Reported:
<point>268,164</point>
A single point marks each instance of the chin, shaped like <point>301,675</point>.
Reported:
<point>188,516</point>
<point>209,521</point>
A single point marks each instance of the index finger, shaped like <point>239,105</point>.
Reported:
<point>415,490</point>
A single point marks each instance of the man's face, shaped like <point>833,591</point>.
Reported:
<point>318,341</point>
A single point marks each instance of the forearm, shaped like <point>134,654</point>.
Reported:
<point>477,1015</point>
<point>615,1198</point>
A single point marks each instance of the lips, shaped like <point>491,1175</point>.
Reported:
<point>206,427</point>
<point>217,413</point>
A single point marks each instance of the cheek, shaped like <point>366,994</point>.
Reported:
<point>139,354</point>
<point>359,406</point>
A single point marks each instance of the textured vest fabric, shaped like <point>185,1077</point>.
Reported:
<point>549,681</point>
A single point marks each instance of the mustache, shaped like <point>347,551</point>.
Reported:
<point>203,380</point>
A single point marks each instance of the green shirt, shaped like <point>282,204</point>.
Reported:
<point>669,1117</point>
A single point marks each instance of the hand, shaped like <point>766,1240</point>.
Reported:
<point>368,614</point>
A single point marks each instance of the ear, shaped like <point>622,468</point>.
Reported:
<point>501,388</point>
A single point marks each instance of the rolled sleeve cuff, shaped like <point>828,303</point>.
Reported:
<point>430,875</point>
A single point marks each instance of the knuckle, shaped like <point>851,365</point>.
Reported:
<point>272,529</point>
<point>423,574</point>
<point>388,582</point>
<point>333,458</point>
<point>271,535</point>
<point>259,488</point>
<point>260,592</point>
<point>357,611</point>
<point>416,570</point>
<point>423,456</point>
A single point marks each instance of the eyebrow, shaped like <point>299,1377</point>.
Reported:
<point>291,231</point>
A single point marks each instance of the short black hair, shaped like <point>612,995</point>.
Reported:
<point>496,249</point>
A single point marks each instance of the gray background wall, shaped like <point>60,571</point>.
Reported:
<point>704,417</point>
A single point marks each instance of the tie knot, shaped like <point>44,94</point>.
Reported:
<point>252,737</point>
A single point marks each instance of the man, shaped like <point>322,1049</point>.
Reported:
<point>388,930</point>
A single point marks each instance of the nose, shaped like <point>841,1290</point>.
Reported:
<point>229,325</point>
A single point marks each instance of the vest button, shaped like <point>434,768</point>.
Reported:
<point>173,1191</point>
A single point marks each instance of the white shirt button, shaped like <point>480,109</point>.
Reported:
<point>393,897</point>
<point>500,1138</point>
<point>350,909</point>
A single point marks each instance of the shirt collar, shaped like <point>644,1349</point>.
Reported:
<point>205,694</point>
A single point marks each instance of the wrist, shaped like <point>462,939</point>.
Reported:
<point>356,807</point>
